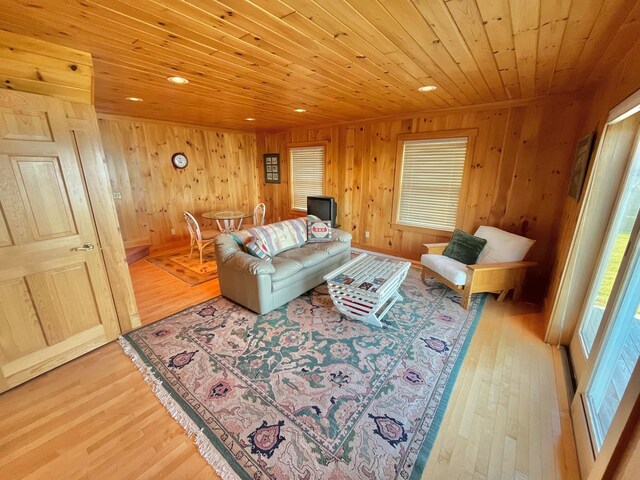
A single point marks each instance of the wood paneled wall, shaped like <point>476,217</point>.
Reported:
<point>36,66</point>
<point>43,68</point>
<point>221,174</point>
<point>622,81</point>
<point>518,181</point>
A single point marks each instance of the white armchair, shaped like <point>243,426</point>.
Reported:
<point>499,268</point>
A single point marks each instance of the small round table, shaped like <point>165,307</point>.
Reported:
<point>228,219</point>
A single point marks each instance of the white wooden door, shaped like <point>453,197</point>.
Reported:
<point>55,300</point>
<point>616,242</point>
<point>605,347</point>
<point>609,387</point>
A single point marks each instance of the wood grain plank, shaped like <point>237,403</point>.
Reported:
<point>521,161</point>
<point>341,61</point>
<point>222,173</point>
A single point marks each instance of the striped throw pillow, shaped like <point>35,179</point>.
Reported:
<point>281,236</point>
<point>240,241</point>
<point>258,248</point>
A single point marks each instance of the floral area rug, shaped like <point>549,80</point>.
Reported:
<point>305,393</point>
<point>187,267</point>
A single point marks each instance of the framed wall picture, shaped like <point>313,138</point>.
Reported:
<point>580,165</point>
<point>272,167</point>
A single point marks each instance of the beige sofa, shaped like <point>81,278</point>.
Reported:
<point>263,286</point>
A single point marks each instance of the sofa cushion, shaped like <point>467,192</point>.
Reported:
<point>243,261</point>
<point>317,271</point>
<point>452,270</point>
<point>332,248</point>
<point>281,236</point>
<point>284,268</point>
<point>307,255</point>
<point>502,246</point>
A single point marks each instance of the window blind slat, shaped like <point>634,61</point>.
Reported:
<point>307,174</point>
<point>431,182</point>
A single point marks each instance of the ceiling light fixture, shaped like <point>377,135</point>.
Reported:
<point>249,119</point>
<point>299,110</point>
<point>427,88</point>
<point>178,80</point>
<point>134,99</point>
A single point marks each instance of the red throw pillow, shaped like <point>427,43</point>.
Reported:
<point>319,231</point>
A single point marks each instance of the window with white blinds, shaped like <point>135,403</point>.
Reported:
<point>307,174</point>
<point>431,180</point>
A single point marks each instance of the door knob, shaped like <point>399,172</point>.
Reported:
<point>87,247</point>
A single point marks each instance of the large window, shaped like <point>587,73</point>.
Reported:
<point>307,174</point>
<point>429,185</point>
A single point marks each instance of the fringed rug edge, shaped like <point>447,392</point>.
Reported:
<point>206,449</point>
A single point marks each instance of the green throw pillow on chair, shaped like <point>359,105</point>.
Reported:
<point>464,247</point>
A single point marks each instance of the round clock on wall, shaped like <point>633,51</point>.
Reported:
<point>179,160</point>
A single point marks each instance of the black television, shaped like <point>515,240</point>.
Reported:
<point>325,208</point>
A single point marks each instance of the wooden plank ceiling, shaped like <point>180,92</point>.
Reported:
<point>338,59</point>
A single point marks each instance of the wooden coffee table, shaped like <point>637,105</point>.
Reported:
<point>366,287</point>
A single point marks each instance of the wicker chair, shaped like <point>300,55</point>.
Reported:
<point>199,238</point>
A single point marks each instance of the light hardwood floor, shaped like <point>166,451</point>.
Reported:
<point>95,417</point>
<point>159,294</point>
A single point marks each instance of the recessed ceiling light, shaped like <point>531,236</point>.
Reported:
<point>249,119</point>
<point>299,110</point>
<point>427,88</point>
<point>178,80</point>
<point>134,99</point>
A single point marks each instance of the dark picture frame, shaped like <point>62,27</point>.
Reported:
<point>272,168</point>
<point>581,165</point>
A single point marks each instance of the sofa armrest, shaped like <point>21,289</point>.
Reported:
<point>435,248</point>
<point>341,236</point>
<point>487,267</point>
<point>244,261</point>
<point>225,247</point>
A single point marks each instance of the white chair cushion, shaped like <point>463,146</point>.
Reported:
<point>502,246</point>
<point>452,270</point>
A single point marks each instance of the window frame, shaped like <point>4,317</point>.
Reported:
<point>471,135</point>
<point>317,143</point>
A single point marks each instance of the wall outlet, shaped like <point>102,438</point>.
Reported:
<point>117,195</point>
<point>366,234</point>
<point>173,231</point>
